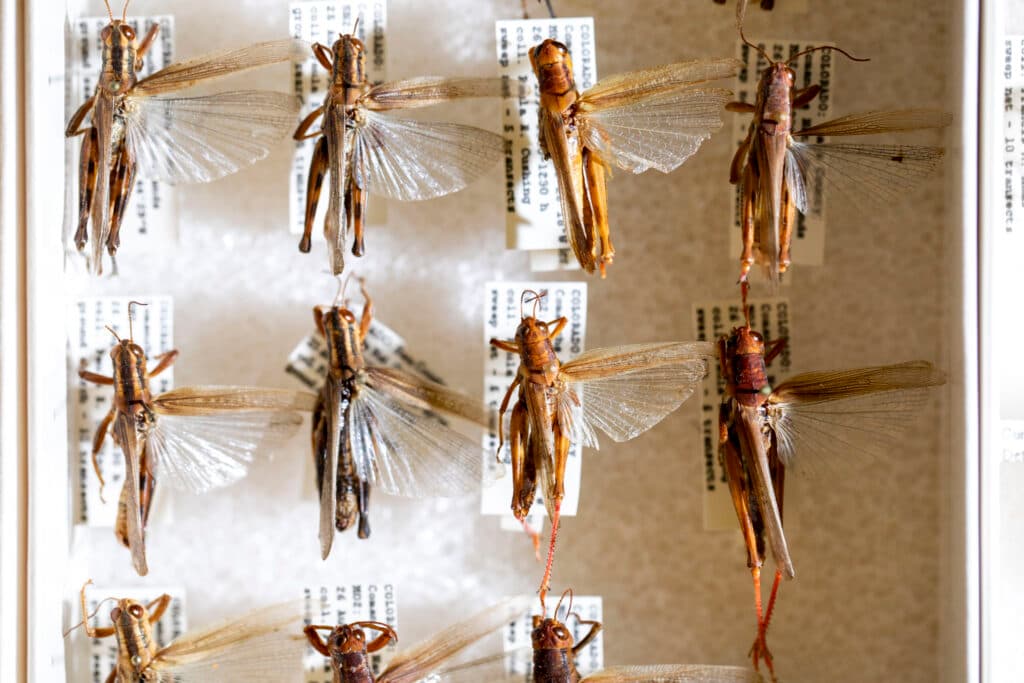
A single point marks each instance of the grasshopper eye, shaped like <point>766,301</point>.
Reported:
<point>136,611</point>
<point>562,632</point>
<point>128,32</point>
<point>115,614</point>
<point>105,33</point>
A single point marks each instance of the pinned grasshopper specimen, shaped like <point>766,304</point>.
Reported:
<point>761,428</point>
<point>260,647</point>
<point>621,391</point>
<point>349,648</point>
<point>555,651</point>
<point>778,167</point>
<point>196,438</point>
<point>371,428</point>
<point>366,150</point>
<point>656,118</point>
<point>145,127</point>
<point>554,659</point>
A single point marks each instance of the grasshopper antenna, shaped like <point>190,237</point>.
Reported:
<point>355,26</point>
<point>741,10</point>
<point>131,332</point>
<point>342,285</point>
<point>534,299</point>
<point>111,331</point>
<point>558,607</point>
<point>124,14</point>
<point>551,9</point>
<point>828,47</point>
<point>86,615</point>
<point>109,11</point>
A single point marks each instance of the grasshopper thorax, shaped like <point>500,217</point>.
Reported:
<point>119,55</point>
<point>536,350</point>
<point>135,643</point>
<point>776,98</point>
<point>349,62</point>
<point>744,365</point>
<point>552,64</point>
<point>344,342</point>
<point>130,377</point>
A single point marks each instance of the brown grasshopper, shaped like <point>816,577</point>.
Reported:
<point>554,659</point>
<point>778,169</point>
<point>197,438</point>
<point>555,651</point>
<point>144,127</point>
<point>259,647</point>
<point>349,648</point>
<point>371,428</point>
<point>366,150</point>
<point>761,427</point>
<point>621,391</point>
<point>656,118</point>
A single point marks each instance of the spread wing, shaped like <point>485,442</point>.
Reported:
<point>265,646</point>
<point>866,173</point>
<point>626,390</point>
<point>674,673</point>
<point>429,90</point>
<point>656,118</point>
<point>409,160</point>
<point>218,64</point>
<point>402,442</point>
<point>203,138</point>
<point>205,437</point>
<point>424,659</point>
<point>836,414</point>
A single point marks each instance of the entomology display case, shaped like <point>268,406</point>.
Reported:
<point>884,544</point>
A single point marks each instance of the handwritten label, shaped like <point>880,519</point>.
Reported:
<point>152,208</point>
<point>325,22</point>
<point>152,329</point>
<point>102,652</point>
<point>589,660</point>
<point>711,321</point>
<point>501,318</point>
<point>533,210</point>
<point>344,604</point>
<point>816,67</point>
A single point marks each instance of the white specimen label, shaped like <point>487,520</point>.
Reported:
<point>501,318</point>
<point>344,604</point>
<point>816,67</point>
<point>1013,135</point>
<point>152,329</point>
<point>325,22</point>
<point>152,208</point>
<point>533,211</point>
<point>102,652</point>
<point>545,260</point>
<point>589,660</point>
<point>711,321</point>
